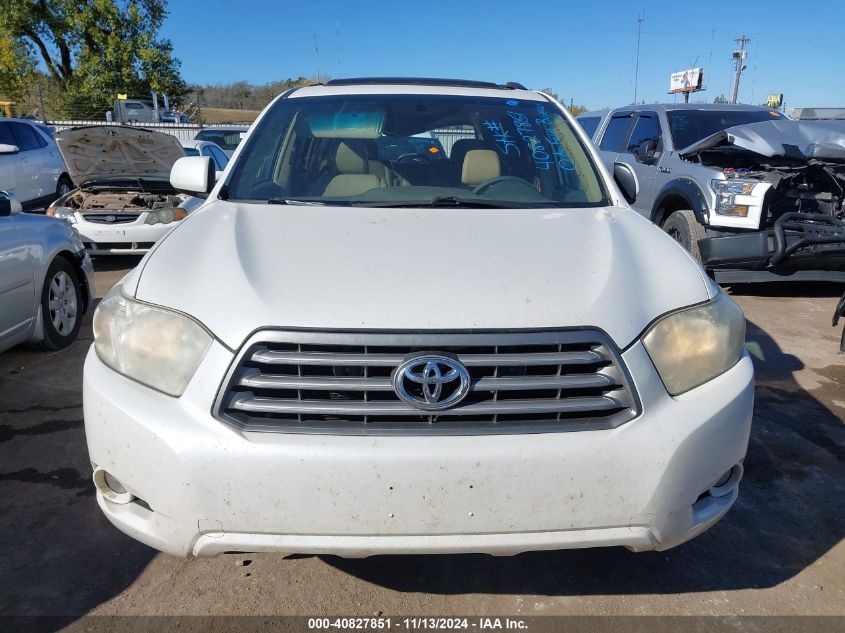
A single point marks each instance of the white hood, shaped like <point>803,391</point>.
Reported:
<point>238,268</point>
<point>113,151</point>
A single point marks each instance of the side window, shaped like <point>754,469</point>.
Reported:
<point>6,136</point>
<point>219,157</point>
<point>647,128</point>
<point>26,136</point>
<point>616,132</point>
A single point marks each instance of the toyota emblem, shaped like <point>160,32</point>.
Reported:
<point>431,382</point>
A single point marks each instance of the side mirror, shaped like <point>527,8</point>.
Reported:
<point>9,149</point>
<point>9,205</point>
<point>194,175</point>
<point>646,152</point>
<point>627,181</point>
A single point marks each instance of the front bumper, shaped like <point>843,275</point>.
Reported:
<point>131,238</point>
<point>799,245</point>
<point>207,488</point>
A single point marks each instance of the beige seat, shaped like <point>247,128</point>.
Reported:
<point>377,167</point>
<point>354,177</point>
<point>480,165</point>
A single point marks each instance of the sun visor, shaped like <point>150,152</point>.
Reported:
<point>366,124</point>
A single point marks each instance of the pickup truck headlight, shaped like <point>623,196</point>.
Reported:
<point>695,345</point>
<point>726,196</point>
<point>157,347</point>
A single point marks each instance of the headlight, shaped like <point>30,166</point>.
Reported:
<point>690,347</point>
<point>157,347</point>
<point>726,196</point>
<point>63,213</point>
<point>165,216</point>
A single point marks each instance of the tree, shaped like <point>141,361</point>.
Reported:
<point>720,99</point>
<point>94,49</point>
<point>17,67</point>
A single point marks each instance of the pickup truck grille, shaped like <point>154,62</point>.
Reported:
<point>340,383</point>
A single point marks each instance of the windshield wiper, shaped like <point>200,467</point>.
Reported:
<point>440,201</point>
<point>293,202</point>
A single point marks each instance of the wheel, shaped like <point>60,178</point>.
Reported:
<point>61,305</point>
<point>63,187</point>
<point>685,229</point>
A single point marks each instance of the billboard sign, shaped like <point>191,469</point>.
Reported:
<point>686,80</point>
<point>774,101</point>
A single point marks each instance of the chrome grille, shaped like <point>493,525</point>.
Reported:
<point>340,383</point>
<point>110,218</point>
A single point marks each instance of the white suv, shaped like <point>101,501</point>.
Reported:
<point>31,167</point>
<point>468,345</point>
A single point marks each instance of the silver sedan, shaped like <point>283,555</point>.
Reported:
<point>46,279</point>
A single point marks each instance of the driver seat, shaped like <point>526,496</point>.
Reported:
<point>480,165</point>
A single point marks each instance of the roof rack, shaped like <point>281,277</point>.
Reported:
<point>424,81</point>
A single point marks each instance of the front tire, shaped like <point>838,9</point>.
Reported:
<point>63,187</point>
<point>61,305</point>
<point>684,228</point>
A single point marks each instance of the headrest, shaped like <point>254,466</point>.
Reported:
<point>350,161</point>
<point>461,147</point>
<point>480,165</point>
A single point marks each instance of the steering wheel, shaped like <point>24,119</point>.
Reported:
<point>410,156</point>
<point>495,181</point>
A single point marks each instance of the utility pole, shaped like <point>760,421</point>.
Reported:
<point>317,55</point>
<point>739,61</point>
<point>640,21</point>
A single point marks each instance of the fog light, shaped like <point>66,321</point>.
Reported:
<point>727,482</point>
<point>111,488</point>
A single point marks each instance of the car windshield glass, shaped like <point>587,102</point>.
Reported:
<point>191,151</point>
<point>690,126</point>
<point>589,123</point>
<point>405,149</point>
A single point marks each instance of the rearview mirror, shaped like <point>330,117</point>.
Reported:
<point>194,175</point>
<point>627,181</point>
<point>9,205</point>
<point>9,149</point>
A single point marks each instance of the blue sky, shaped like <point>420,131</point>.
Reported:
<point>583,50</point>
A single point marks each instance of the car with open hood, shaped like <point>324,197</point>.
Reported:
<point>415,316</point>
<point>123,202</point>
<point>753,195</point>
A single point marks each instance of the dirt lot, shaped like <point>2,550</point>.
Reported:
<point>779,551</point>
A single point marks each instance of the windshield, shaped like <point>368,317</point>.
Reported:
<point>690,126</point>
<point>191,151</point>
<point>416,149</point>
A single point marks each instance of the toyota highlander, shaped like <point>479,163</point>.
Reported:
<point>415,316</point>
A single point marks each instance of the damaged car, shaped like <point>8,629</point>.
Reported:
<point>123,202</point>
<point>753,196</point>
